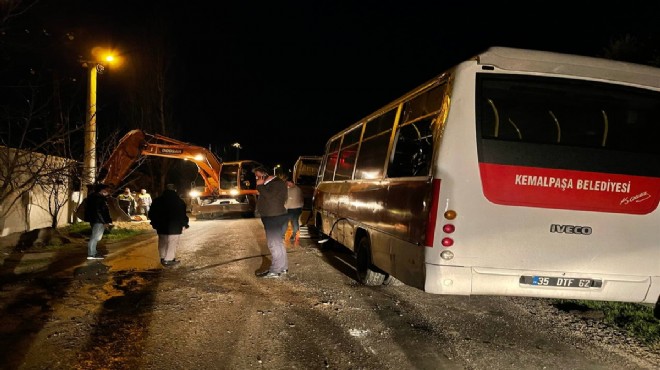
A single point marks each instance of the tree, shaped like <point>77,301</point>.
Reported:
<point>639,49</point>
<point>36,134</point>
<point>36,151</point>
<point>150,94</point>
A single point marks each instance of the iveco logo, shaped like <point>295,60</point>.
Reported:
<point>570,229</point>
<point>171,151</point>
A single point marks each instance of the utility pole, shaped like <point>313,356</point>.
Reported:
<point>89,161</point>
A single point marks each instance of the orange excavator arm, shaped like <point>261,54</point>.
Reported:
<point>136,144</point>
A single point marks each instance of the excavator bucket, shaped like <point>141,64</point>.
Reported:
<point>223,210</point>
<point>116,213</point>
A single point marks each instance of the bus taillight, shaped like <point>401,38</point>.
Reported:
<point>448,228</point>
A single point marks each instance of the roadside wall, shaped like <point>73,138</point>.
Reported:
<point>30,210</point>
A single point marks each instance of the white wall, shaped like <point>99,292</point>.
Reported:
<point>30,212</point>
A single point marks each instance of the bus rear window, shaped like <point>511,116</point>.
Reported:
<point>568,112</point>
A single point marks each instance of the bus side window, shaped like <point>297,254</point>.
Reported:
<point>346,163</point>
<point>413,151</point>
<point>373,150</point>
<point>373,155</point>
<point>331,159</point>
<point>331,162</point>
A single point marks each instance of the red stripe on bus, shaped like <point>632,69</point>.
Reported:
<point>433,213</point>
<point>569,189</point>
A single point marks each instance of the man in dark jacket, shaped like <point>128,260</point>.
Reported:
<point>168,216</point>
<point>97,214</point>
<point>273,194</point>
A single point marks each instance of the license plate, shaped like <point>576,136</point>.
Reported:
<point>566,282</point>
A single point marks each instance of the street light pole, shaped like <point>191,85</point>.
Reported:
<point>238,147</point>
<point>89,161</point>
<point>94,67</point>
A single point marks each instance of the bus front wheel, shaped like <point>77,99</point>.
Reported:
<point>367,273</point>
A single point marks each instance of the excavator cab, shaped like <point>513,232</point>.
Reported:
<point>237,193</point>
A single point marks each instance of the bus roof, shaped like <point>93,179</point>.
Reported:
<point>572,65</point>
<point>536,61</point>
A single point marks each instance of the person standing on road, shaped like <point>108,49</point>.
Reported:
<point>168,216</point>
<point>97,214</point>
<point>294,205</point>
<point>144,202</point>
<point>126,201</point>
<point>270,206</point>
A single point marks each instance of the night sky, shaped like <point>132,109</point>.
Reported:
<point>281,77</point>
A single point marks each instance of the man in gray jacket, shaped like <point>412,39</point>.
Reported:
<point>273,194</point>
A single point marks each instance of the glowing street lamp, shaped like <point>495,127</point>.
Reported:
<point>238,147</point>
<point>94,67</point>
<point>275,169</point>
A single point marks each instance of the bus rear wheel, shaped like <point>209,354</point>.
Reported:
<point>367,273</point>
<point>392,281</point>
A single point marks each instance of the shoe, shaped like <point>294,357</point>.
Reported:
<point>96,257</point>
<point>170,263</point>
<point>266,272</point>
<point>271,275</point>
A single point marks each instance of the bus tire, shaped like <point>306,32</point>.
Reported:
<point>367,273</point>
<point>392,281</point>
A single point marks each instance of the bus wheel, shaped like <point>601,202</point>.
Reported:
<point>367,273</point>
<point>392,281</point>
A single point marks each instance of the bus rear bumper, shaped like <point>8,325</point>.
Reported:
<point>458,280</point>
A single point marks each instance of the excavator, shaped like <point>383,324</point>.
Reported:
<point>229,187</point>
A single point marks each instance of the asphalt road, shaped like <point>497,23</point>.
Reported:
<point>211,312</point>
